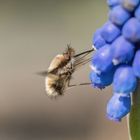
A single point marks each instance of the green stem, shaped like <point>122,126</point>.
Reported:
<point>134,116</point>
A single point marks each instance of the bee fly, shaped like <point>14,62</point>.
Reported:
<point>59,73</point>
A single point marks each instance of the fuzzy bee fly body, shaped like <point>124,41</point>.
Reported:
<point>61,68</point>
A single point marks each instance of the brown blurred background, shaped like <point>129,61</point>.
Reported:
<point>32,32</point>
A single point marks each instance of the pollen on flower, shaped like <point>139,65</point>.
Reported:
<point>115,61</point>
<point>95,69</point>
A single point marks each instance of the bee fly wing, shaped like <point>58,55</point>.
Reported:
<point>42,73</point>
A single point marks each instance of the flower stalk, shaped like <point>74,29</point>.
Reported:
<point>134,116</point>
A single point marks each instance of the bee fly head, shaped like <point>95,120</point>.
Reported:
<point>69,52</point>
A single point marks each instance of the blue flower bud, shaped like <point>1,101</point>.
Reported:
<point>136,64</point>
<point>98,41</point>
<point>124,81</point>
<point>137,13</point>
<point>110,32</point>
<point>102,60</point>
<point>131,30</point>
<point>118,15</point>
<point>112,3</point>
<point>123,51</point>
<point>102,80</point>
<point>118,107</point>
<point>130,5</point>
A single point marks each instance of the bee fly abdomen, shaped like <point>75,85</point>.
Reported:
<point>50,82</point>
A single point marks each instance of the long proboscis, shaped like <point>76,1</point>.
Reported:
<point>85,52</point>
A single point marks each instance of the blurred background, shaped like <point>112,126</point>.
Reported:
<point>32,32</point>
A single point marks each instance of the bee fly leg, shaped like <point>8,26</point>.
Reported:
<point>74,85</point>
<point>84,84</point>
<point>69,85</point>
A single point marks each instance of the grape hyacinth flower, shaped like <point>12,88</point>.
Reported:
<point>124,81</point>
<point>116,62</point>
<point>130,5</point>
<point>123,51</point>
<point>137,13</point>
<point>118,106</point>
<point>98,41</point>
<point>112,3</point>
<point>110,32</point>
<point>102,60</point>
<point>102,80</point>
<point>118,15</point>
<point>131,30</point>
